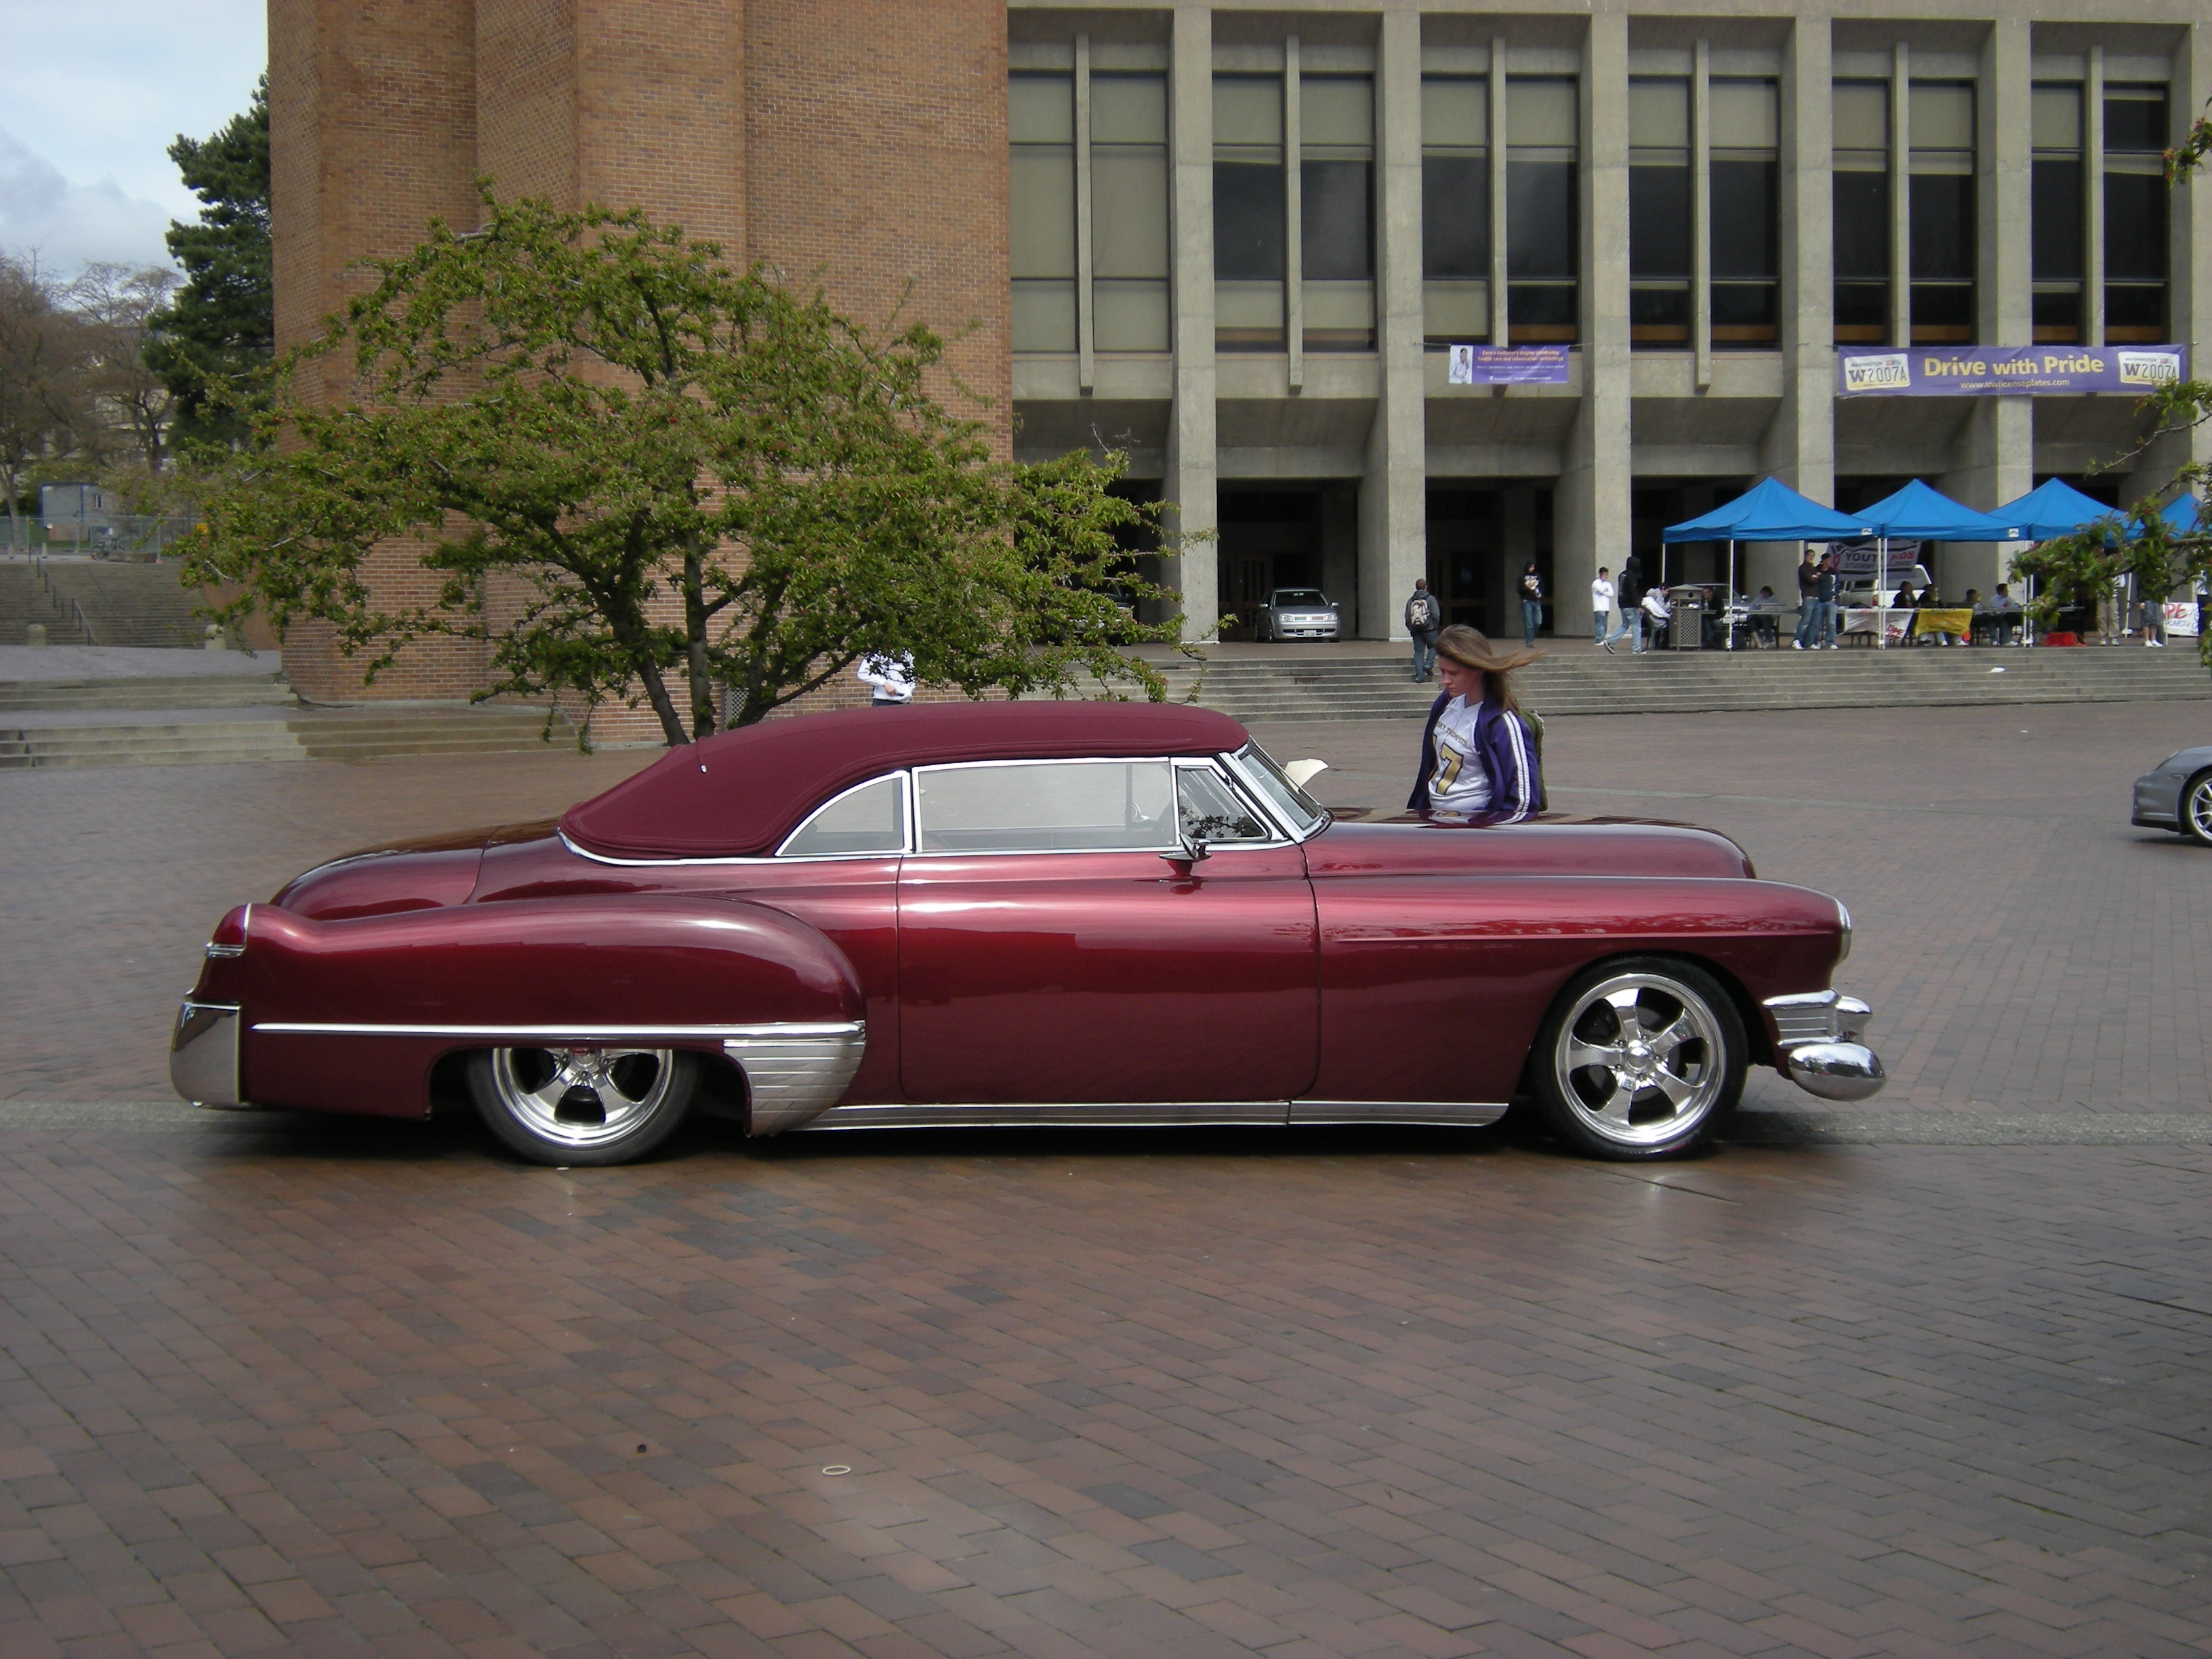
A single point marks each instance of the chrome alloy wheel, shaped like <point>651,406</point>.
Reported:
<point>581,1097</point>
<point>1640,1060</point>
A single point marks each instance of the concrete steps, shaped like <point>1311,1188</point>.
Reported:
<point>157,692</point>
<point>135,604</point>
<point>347,734</point>
<point>1373,688</point>
<point>24,600</point>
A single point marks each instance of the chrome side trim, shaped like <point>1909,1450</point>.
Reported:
<point>526,1036</point>
<point>203,1054</point>
<point>1836,1071</point>
<point>794,1074</point>
<point>1141,1115</point>
<point>1457,1115</point>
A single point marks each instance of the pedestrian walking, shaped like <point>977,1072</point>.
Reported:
<point>1532,603</point>
<point>1808,600</point>
<point>1424,615</point>
<point>1480,754</point>
<point>889,676</point>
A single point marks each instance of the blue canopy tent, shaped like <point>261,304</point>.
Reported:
<point>2053,508</point>
<point>1769,511</point>
<point>1919,513</point>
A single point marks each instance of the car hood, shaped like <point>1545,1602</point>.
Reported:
<point>1551,844</point>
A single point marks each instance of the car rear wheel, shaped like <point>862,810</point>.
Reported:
<point>1640,1058</point>
<point>2196,814</point>
<point>569,1106</point>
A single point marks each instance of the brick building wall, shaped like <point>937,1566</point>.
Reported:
<point>810,135</point>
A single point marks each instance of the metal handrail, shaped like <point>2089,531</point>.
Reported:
<point>81,621</point>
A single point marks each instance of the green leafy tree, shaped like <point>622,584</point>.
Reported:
<point>214,339</point>
<point>630,465</point>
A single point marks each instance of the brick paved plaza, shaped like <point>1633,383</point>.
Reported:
<point>275,1384</point>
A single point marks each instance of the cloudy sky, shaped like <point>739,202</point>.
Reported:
<point>97,91</point>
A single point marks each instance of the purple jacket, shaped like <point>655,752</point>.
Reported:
<point>1508,753</point>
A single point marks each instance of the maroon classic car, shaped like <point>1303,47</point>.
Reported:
<point>1024,913</point>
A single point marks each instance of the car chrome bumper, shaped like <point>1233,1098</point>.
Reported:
<point>203,1054</point>
<point>1817,1046</point>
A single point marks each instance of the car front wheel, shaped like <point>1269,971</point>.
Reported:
<point>591,1106</point>
<point>1640,1058</point>
<point>2196,814</point>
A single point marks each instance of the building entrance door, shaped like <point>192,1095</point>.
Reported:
<point>1270,539</point>
<point>1463,554</point>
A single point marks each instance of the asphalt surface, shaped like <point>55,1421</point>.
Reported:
<point>1921,1377</point>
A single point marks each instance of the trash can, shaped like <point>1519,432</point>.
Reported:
<point>1689,625</point>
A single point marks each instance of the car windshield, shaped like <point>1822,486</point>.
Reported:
<point>1300,808</point>
<point>1298,596</point>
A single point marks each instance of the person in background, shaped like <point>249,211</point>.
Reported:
<point>1763,610</point>
<point>1532,603</point>
<point>1808,600</point>
<point>2153,622</point>
<point>1824,598</point>
<point>2005,613</point>
<point>888,677</point>
<point>1601,593</point>
<point>1655,615</point>
<point>1424,615</point>
<point>1479,753</point>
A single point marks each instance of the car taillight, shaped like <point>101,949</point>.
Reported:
<point>229,937</point>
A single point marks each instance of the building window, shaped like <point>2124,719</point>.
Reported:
<point>2057,185</point>
<point>1942,203</point>
<point>1041,123</point>
<point>1659,228</point>
<point>1455,208</point>
<point>1542,255</point>
<point>1862,211</point>
<point>1744,125</point>
<point>2135,212</point>
<point>1336,211</point>
<point>1247,212</point>
<point>1129,251</point>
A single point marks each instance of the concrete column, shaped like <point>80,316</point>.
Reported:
<point>1801,445</point>
<point>1995,451</point>
<point>2093,202</point>
<point>1394,491</point>
<point>1591,526</point>
<point>1900,196</point>
<point>1500,331</point>
<point>1294,216</point>
<point>1086,342</point>
<point>1701,215</point>
<point>1191,480</point>
<point>2188,297</point>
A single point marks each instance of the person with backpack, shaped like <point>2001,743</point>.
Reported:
<point>1480,756</point>
<point>1424,616</point>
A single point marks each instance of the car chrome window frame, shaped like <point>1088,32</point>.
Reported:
<point>1296,833</point>
<point>906,841</point>
<point>915,824</point>
<point>1239,791</point>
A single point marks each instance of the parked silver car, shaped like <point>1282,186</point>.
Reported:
<point>1297,613</point>
<point>2177,795</point>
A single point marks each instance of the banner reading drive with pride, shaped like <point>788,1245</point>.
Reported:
<point>1984,371</point>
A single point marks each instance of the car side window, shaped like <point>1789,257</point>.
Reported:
<point>869,818</point>
<point>1211,809</point>
<point>1047,806</point>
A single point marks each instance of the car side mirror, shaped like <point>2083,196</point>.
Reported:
<point>1190,853</point>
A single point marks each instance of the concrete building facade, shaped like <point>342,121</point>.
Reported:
<point>1235,241</point>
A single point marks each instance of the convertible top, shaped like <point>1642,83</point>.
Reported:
<point>739,793</point>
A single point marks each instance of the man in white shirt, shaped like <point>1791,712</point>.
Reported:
<point>1601,593</point>
<point>890,678</point>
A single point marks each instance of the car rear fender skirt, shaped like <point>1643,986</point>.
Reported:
<point>350,1016</point>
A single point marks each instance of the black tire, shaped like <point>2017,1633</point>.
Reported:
<point>1662,1056</point>
<point>2192,813</point>
<point>582,1106</point>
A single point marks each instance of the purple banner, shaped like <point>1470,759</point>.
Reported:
<point>2019,371</point>
<point>1481,365</point>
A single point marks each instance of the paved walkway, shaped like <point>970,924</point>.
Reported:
<point>276,1383</point>
<point>125,662</point>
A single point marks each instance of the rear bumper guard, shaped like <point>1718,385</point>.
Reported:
<point>203,1054</point>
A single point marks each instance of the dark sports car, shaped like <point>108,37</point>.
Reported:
<point>1025,912</point>
<point>2176,794</point>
